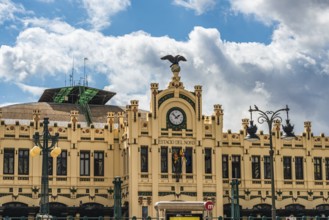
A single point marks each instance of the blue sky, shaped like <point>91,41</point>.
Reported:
<point>242,52</point>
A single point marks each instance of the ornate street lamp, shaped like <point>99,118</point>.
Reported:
<point>117,198</point>
<point>47,146</point>
<point>269,117</point>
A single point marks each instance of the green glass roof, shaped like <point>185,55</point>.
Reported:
<point>77,95</point>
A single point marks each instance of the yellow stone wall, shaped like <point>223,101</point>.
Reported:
<point>125,133</point>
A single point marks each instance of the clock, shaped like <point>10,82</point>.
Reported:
<point>176,117</point>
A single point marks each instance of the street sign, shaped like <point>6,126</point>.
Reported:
<point>209,205</point>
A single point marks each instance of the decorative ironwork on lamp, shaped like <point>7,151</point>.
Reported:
<point>45,148</point>
<point>269,117</point>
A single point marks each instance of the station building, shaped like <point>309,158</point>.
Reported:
<point>171,152</point>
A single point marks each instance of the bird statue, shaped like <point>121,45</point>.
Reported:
<point>173,60</point>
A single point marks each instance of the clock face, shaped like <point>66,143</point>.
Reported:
<point>176,117</point>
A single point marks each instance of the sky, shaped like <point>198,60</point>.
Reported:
<point>269,53</point>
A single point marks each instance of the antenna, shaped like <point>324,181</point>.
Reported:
<point>71,75</point>
<point>85,82</point>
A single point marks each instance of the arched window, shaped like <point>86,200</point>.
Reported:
<point>295,207</point>
<point>323,207</point>
<point>262,207</point>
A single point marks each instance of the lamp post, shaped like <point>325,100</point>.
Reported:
<point>48,145</point>
<point>117,197</point>
<point>269,117</point>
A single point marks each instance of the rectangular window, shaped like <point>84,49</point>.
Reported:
<point>267,167</point>
<point>299,168</point>
<point>164,159</point>
<point>145,212</point>
<point>327,168</point>
<point>207,160</point>
<point>189,160</point>
<point>317,168</point>
<point>84,163</point>
<point>225,166</point>
<point>236,166</point>
<point>255,167</point>
<point>8,161</point>
<point>62,163</point>
<point>287,168</point>
<point>98,163</point>
<point>125,161</point>
<point>23,161</point>
<point>176,160</point>
<point>144,159</point>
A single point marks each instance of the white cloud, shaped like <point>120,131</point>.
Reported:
<point>306,21</point>
<point>292,69</point>
<point>8,9</point>
<point>34,90</point>
<point>54,25</point>
<point>101,11</point>
<point>199,6</point>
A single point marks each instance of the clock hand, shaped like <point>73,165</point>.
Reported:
<point>177,116</point>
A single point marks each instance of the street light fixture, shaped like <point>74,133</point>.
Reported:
<point>269,117</point>
<point>45,148</point>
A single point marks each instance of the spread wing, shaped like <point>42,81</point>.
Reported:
<point>180,58</point>
<point>169,57</point>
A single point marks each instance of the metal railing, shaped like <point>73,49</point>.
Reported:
<point>163,218</point>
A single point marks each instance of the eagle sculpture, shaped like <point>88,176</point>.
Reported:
<point>173,60</point>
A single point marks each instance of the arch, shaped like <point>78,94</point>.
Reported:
<point>322,207</point>
<point>21,199</point>
<point>91,209</point>
<point>92,205</point>
<point>178,103</point>
<point>295,207</point>
<point>57,205</point>
<point>58,209</point>
<point>86,200</point>
<point>183,95</point>
<point>15,204</point>
<point>15,209</point>
<point>262,206</point>
<point>288,201</point>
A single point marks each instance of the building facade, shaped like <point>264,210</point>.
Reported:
<point>170,153</point>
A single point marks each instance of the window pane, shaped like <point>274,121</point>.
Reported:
<point>144,159</point>
<point>164,159</point>
<point>84,163</point>
<point>176,160</point>
<point>62,163</point>
<point>327,168</point>
<point>299,168</point>
<point>287,168</point>
<point>236,167</point>
<point>207,158</point>
<point>8,162</point>
<point>255,167</point>
<point>317,168</point>
<point>267,167</point>
<point>189,160</point>
<point>23,161</point>
<point>99,163</point>
<point>225,166</point>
